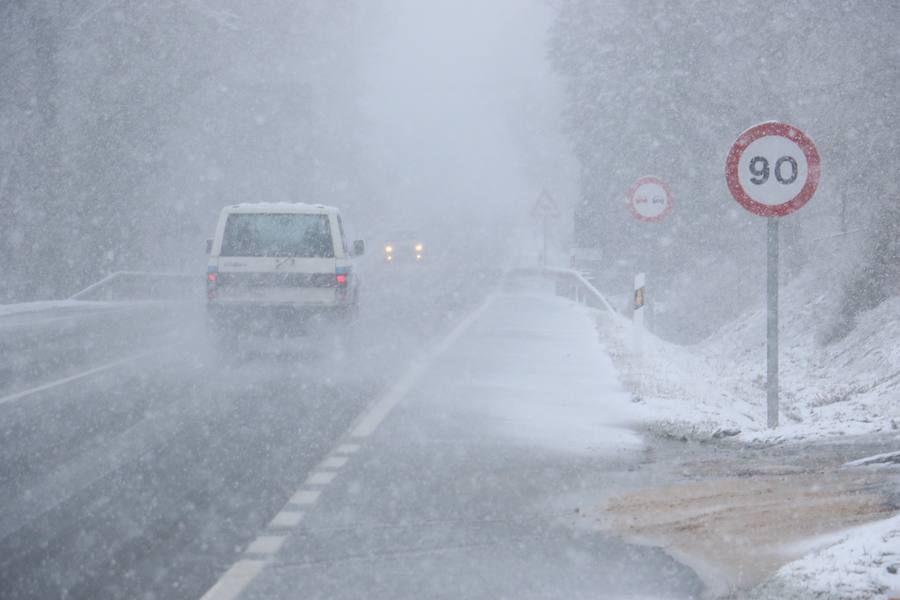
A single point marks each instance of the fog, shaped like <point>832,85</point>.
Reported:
<point>131,124</point>
<point>464,115</point>
<point>342,298</point>
<point>396,111</point>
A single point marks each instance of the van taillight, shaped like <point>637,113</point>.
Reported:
<point>341,279</point>
<point>211,279</point>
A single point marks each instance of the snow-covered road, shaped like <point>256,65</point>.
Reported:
<point>468,487</point>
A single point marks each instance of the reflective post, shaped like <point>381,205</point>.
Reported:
<point>772,322</point>
<point>638,325</point>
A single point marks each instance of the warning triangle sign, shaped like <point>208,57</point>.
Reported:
<point>545,206</point>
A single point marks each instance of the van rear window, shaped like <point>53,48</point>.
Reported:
<point>297,235</point>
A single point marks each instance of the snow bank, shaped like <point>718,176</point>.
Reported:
<point>44,305</point>
<point>677,388</point>
<point>714,388</point>
<point>28,307</point>
<point>862,565</point>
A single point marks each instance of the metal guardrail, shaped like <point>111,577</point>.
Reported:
<point>574,285</point>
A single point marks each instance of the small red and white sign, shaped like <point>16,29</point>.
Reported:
<point>772,169</point>
<point>650,199</point>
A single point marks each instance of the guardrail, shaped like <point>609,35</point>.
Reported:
<point>573,285</point>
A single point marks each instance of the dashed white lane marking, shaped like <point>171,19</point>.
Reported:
<point>235,579</point>
<point>286,519</point>
<point>304,497</point>
<point>266,544</point>
<point>233,582</point>
<point>321,478</point>
<point>383,407</point>
<point>334,462</point>
<point>76,377</point>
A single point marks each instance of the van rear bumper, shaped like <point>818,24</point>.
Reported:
<point>274,317</point>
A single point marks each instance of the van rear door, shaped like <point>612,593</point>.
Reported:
<point>277,257</point>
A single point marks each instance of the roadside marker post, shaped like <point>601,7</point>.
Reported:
<point>637,316</point>
<point>638,324</point>
<point>772,170</point>
<point>544,208</point>
<point>639,298</point>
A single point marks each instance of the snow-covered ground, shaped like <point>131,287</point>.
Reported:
<point>717,387</point>
<point>859,564</point>
<point>829,388</point>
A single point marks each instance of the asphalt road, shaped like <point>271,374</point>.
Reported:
<point>144,479</point>
<point>466,480</point>
<point>150,478</point>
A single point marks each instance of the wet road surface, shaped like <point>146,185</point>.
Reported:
<point>152,478</point>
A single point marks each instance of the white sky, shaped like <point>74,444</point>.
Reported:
<point>460,95</point>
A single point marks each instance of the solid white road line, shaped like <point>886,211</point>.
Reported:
<point>383,407</point>
<point>234,580</point>
<point>77,376</point>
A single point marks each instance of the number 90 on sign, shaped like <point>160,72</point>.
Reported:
<point>773,170</point>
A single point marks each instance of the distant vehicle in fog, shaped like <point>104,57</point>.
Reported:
<point>404,246</point>
<point>273,266</point>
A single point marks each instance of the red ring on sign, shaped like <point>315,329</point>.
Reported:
<point>776,129</point>
<point>634,187</point>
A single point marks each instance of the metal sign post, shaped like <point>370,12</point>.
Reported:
<point>772,170</point>
<point>544,220</point>
<point>772,322</point>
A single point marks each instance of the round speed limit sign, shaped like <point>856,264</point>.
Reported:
<point>650,199</point>
<point>772,169</point>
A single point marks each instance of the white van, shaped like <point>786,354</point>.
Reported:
<point>278,262</point>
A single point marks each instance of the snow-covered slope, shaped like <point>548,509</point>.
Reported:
<point>848,386</point>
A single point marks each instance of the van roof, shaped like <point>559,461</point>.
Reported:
<point>280,207</point>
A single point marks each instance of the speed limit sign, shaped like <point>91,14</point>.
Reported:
<point>772,169</point>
